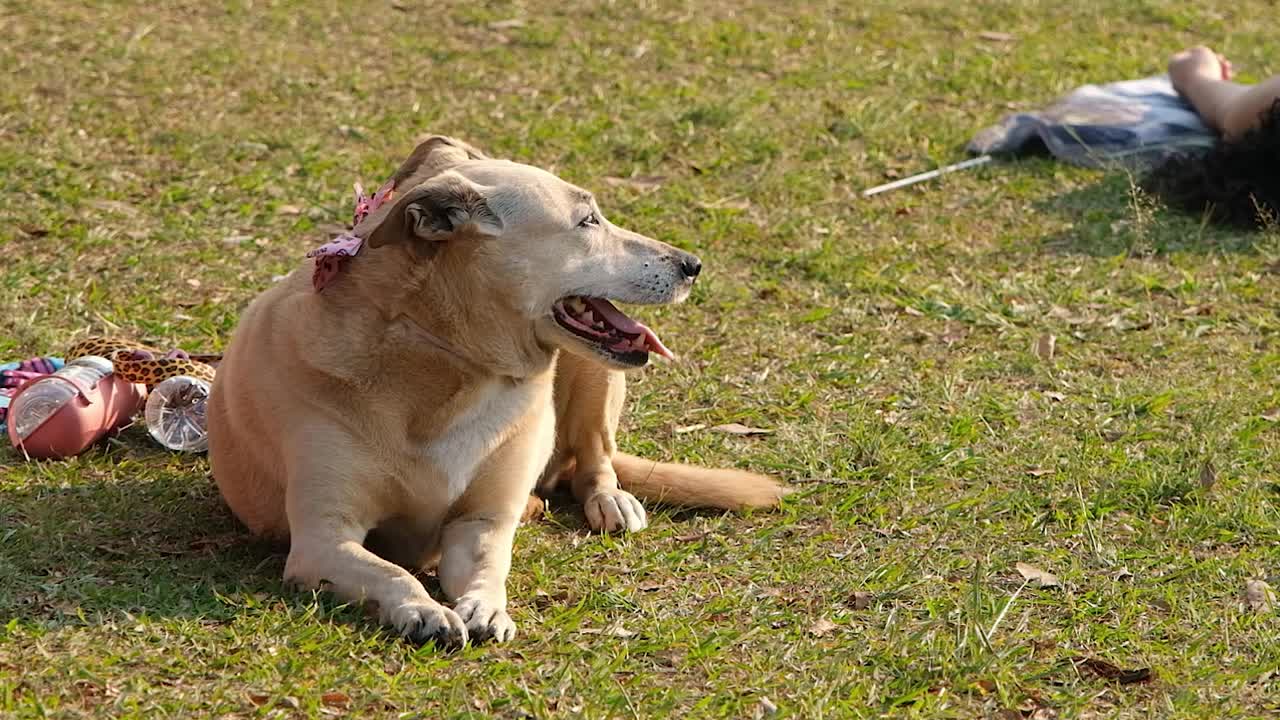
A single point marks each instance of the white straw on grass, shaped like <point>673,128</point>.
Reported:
<point>1004,610</point>
<point>975,162</point>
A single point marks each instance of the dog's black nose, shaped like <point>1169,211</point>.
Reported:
<point>690,266</point>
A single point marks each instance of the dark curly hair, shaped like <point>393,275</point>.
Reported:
<point>1236,183</point>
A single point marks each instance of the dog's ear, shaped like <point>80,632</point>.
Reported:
<point>432,212</point>
<point>433,156</point>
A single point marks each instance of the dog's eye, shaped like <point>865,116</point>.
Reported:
<point>590,221</point>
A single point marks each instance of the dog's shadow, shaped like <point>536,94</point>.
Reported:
<point>120,530</point>
<point>102,542</point>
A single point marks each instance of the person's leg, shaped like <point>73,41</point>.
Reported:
<point>1204,78</point>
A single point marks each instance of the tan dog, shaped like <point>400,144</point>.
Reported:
<point>401,417</point>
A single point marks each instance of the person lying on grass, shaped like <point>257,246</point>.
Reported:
<point>1237,181</point>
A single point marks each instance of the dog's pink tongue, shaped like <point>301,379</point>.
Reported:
<point>619,320</point>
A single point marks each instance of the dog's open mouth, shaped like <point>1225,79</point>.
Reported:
<point>598,322</point>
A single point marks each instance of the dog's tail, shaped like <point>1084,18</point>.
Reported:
<point>691,486</point>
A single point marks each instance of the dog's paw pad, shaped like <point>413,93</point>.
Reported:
<point>485,620</point>
<point>615,511</point>
<point>426,622</point>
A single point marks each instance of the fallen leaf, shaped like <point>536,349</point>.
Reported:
<point>259,699</point>
<point>1259,595</point>
<point>1123,324</point>
<point>114,550</point>
<point>507,24</point>
<point>115,206</point>
<point>1208,476</point>
<point>1067,316</point>
<point>767,707</point>
<point>726,204</point>
<point>740,429</point>
<point>638,182</point>
<point>1055,396</point>
<point>33,230</point>
<point>255,148</point>
<point>211,543</point>
<point>1107,671</point>
<point>544,599</point>
<point>1123,574</point>
<point>822,628</point>
<point>1044,644</point>
<point>288,210</point>
<point>691,537</point>
<point>335,698</point>
<point>994,36</point>
<point>1033,574</point>
<point>861,600</point>
<point>193,282</point>
<point>1045,347</point>
<point>1039,471</point>
<point>1272,415</point>
<point>614,630</point>
<point>690,428</point>
<point>953,336</point>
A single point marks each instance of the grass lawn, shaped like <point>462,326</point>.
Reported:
<point>161,162</point>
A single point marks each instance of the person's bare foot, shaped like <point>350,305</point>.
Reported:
<point>1197,63</point>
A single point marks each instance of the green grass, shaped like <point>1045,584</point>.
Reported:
<point>162,162</point>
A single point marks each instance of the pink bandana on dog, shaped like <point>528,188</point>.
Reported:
<point>333,255</point>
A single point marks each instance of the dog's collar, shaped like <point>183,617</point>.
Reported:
<point>332,257</point>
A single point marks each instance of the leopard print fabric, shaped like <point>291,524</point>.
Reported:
<point>139,363</point>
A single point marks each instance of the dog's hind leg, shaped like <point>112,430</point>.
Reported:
<point>535,507</point>
<point>589,398</point>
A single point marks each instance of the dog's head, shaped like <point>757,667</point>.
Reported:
<point>520,251</point>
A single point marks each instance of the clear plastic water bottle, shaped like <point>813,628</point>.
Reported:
<point>45,397</point>
<point>175,414</point>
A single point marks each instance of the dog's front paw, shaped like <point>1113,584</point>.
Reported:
<point>615,511</point>
<point>423,622</point>
<point>485,620</point>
